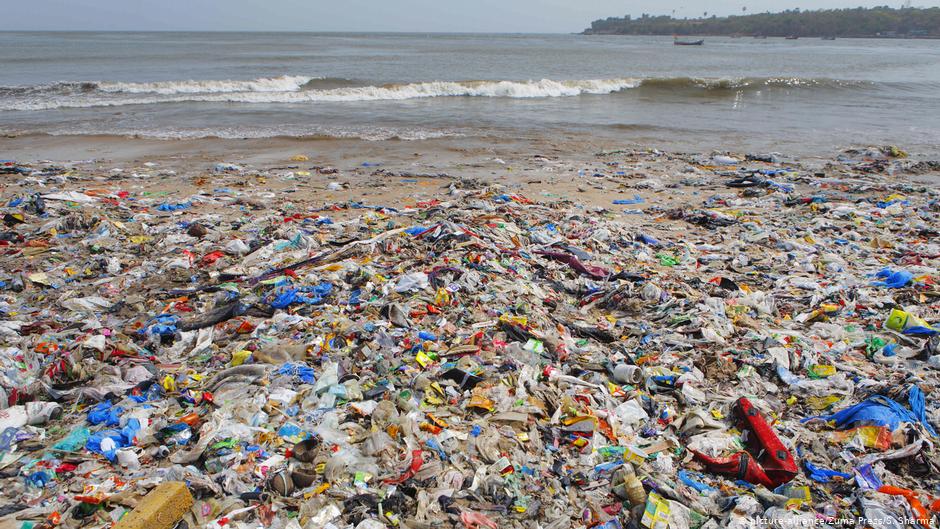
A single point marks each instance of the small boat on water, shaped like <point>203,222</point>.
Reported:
<point>829,38</point>
<point>678,42</point>
<point>793,37</point>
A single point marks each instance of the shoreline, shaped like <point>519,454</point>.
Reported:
<point>462,156</point>
<point>592,172</point>
<point>435,151</point>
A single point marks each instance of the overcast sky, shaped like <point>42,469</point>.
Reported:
<point>368,15</point>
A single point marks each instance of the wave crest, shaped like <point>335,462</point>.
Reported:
<point>306,89</point>
<point>284,83</point>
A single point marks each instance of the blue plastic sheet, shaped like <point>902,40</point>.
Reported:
<point>866,478</point>
<point>781,186</point>
<point>173,207</point>
<point>607,467</point>
<point>915,397</point>
<point>920,331</point>
<point>311,295</point>
<point>105,413</point>
<point>823,475</point>
<point>162,324</point>
<point>885,204</point>
<point>882,411</point>
<point>301,371</point>
<point>122,438</point>
<point>889,350</point>
<point>893,278</point>
<point>687,477</point>
<point>354,297</point>
<point>38,479</point>
<point>637,199</point>
<point>434,445</point>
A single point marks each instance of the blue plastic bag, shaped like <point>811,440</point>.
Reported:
<point>166,206</point>
<point>882,411</point>
<point>311,295</point>
<point>121,439</point>
<point>105,413</point>
<point>893,279</point>
<point>823,475</point>
<point>637,199</point>
<point>301,371</point>
<point>686,477</point>
<point>161,324</point>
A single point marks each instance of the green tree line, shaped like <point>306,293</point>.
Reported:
<point>859,22</point>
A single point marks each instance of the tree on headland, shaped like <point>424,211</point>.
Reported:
<point>858,22</point>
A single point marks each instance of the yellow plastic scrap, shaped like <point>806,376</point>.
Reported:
<point>799,496</point>
<point>822,371</point>
<point>481,402</point>
<point>518,320</point>
<point>656,513</point>
<point>877,437</point>
<point>822,403</point>
<point>423,359</point>
<point>239,357</point>
<point>442,297</point>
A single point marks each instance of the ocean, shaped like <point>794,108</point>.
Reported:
<point>798,97</point>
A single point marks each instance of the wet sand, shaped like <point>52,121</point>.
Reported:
<point>587,174</point>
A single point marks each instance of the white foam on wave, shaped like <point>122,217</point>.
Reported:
<point>263,92</point>
<point>284,83</point>
<point>511,89</point>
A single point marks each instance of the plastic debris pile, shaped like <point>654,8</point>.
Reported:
<point>766,355</point>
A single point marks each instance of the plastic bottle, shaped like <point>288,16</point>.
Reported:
<point>636,494</point>
<point>628,486</point>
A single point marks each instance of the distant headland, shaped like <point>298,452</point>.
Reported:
<point>878,22</point>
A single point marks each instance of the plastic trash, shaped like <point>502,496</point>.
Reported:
<point>893,278</point>
<point>485,353</point>
<point>767,461</point>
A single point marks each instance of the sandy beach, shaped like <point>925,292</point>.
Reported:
<point>396,173</point>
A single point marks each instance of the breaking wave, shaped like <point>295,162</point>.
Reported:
<point>284,83</point>
<point>307,89</point>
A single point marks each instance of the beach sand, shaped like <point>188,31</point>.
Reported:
<point>389,173</point>
<point>588,174</point>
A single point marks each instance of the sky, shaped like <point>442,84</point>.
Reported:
<point>523,16</point>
